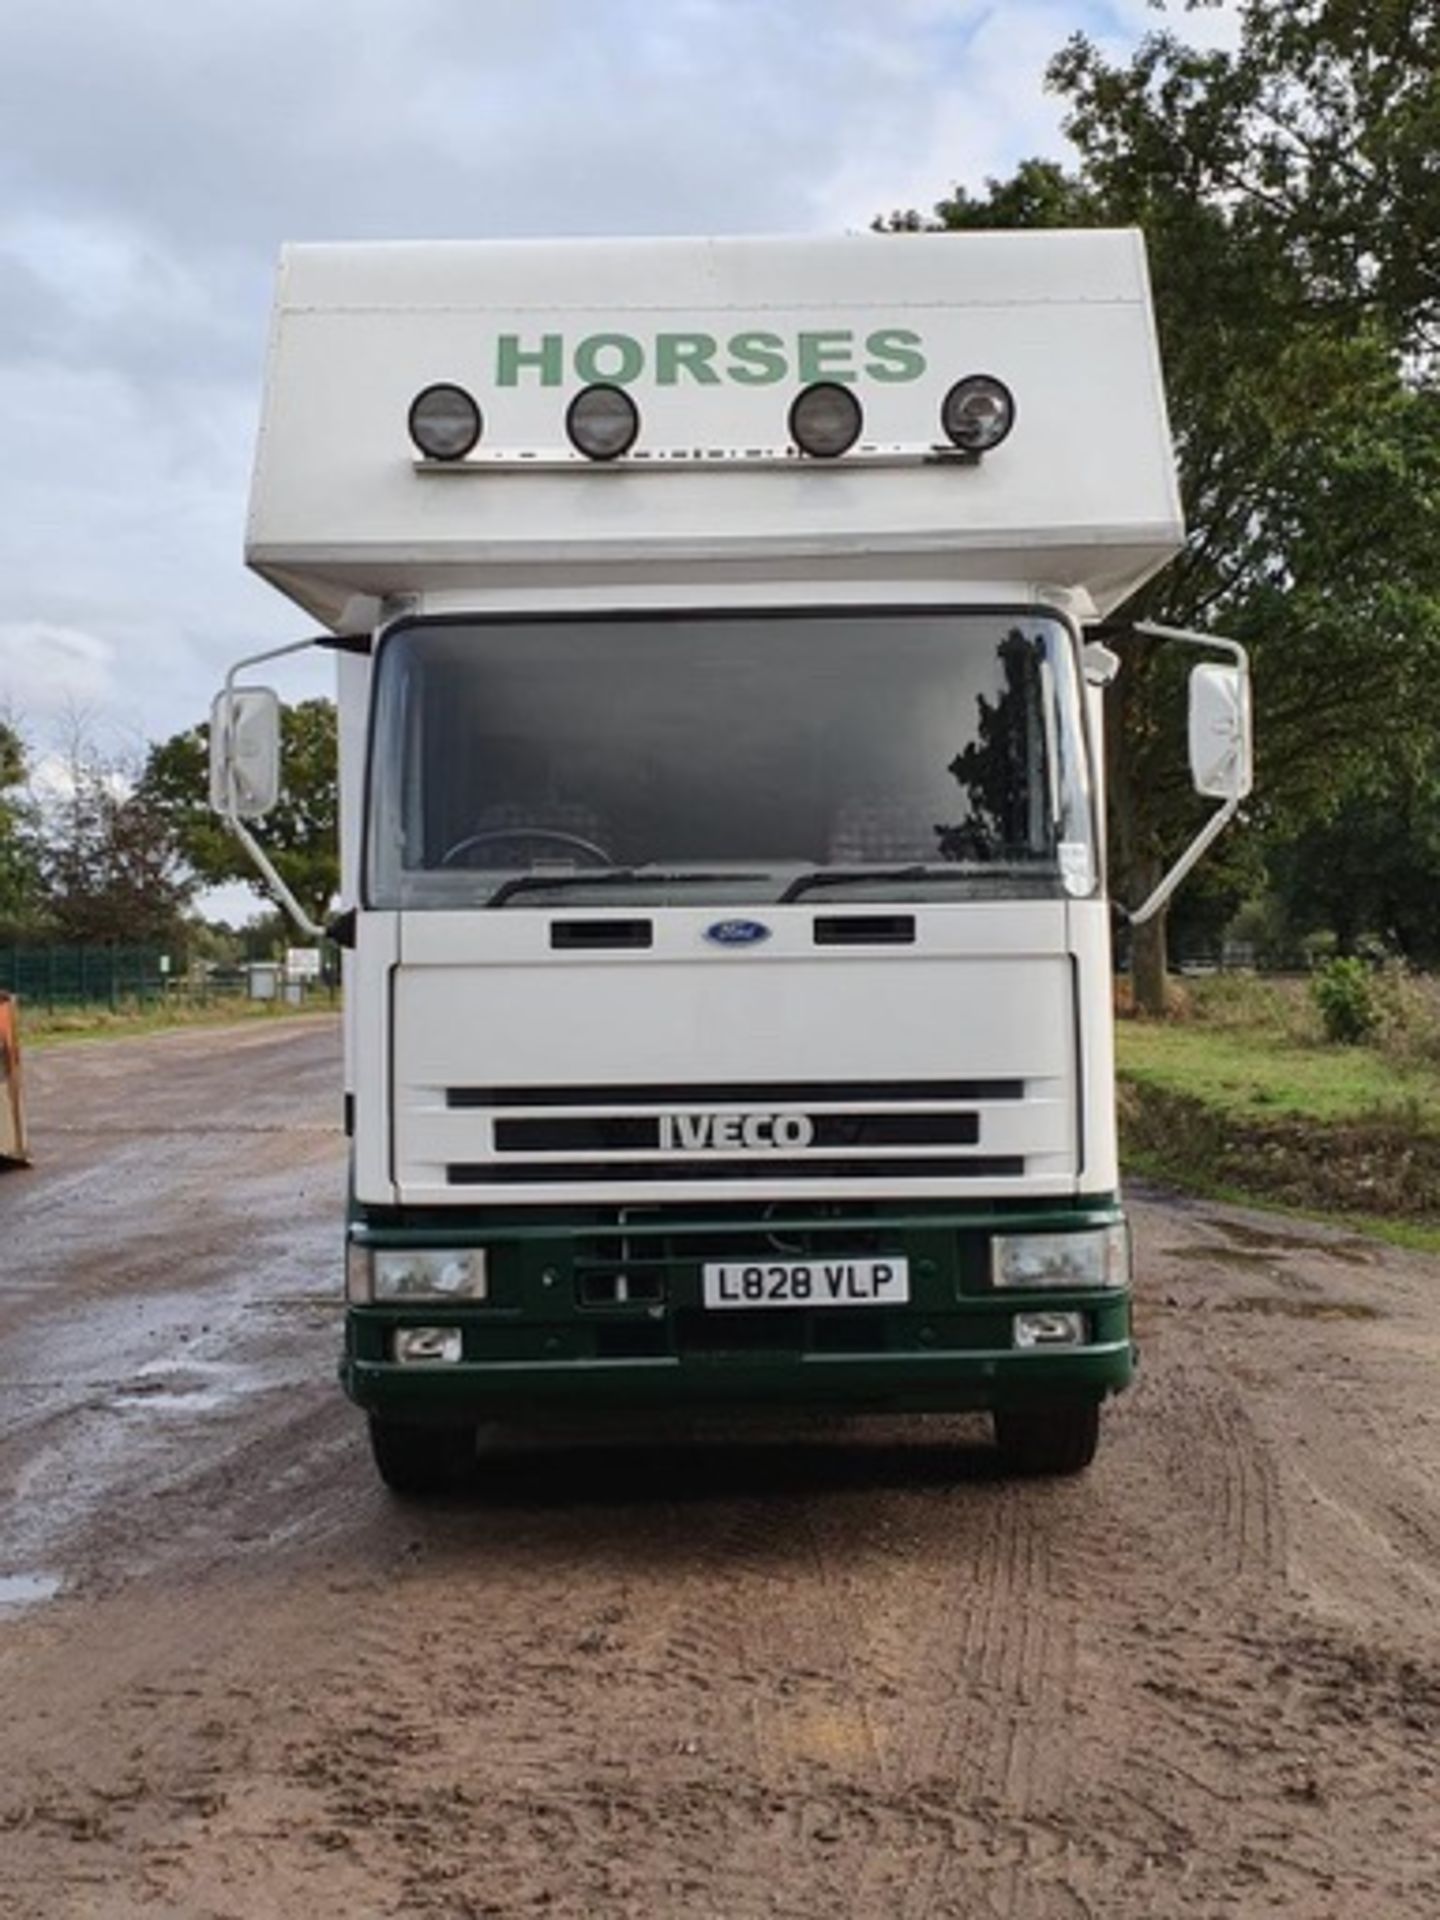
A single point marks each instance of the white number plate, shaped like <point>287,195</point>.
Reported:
<point>807,1283</point>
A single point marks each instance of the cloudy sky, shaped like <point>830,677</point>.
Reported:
<point>155,155</point>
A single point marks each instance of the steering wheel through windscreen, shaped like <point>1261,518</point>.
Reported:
<point>523,841</point>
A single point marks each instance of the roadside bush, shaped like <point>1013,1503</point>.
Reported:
<point>1280,1008</point>
<point>1122,998</point>
<point>1345,993</point>
<point>1408,1015</point>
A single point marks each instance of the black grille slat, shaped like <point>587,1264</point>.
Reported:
<point>741,1093</point>
<point>756,1166</point>
<point>589,934</point>
<point>865,930</point>
<point>831,1130</point>
<point>576,1136</point>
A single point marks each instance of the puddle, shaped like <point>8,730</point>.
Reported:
<point>1353,1252</point>
<point>1263,1239</point>
<point>1243,1257</point>
<point>1289,1308</point>
<point>170,1400</point>
<point>19,1590</point>
<point>197,1388</point>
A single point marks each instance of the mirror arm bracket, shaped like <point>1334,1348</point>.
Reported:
<point>1219,820</point>
<point>342,928</point>
<point>1197,848</point>
<point>310,928</point>
<point>1188,637</point>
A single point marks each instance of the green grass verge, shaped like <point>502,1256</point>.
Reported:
<point>1259,1118</point>
<point>1253,1075</point>
<point>40,1027</point>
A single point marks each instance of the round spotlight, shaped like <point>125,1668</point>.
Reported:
<point>445,422</point>
<point>977,413</point>
<point>825,420</point>
<point>602,421</point>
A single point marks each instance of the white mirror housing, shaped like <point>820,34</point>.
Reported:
<point>245,752</point>
<point>1221,756</point>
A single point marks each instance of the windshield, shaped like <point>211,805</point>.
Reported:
<point>749,757</point>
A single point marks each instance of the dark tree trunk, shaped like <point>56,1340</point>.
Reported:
<point>1149,971</point>
<point>1135,867</point>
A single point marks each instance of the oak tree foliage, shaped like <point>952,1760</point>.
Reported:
<point>1289,192</point>
<point>301,835</point>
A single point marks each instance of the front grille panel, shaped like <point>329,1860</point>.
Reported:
<point>690,1072</point>
<point>649,1139</point>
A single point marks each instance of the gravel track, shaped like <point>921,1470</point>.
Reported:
<point>845,1671</point>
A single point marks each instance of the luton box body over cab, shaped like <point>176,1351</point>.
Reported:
<point>712,340</point>
<point>728,969</point>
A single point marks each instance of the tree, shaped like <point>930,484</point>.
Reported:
<point>1291,207</point>
<point>1318,135</point>
<point>106,861</point>
<point>301,835</point>
<point>20,892</point>
<point>1370,870</point>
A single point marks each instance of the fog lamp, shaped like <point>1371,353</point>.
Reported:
<point>977,413</point>
<point>445,422</point>
<point>1049,1330</point>
<point>602,421</point>
<point>428,1273</point>
<point>426,1346</point>
<point>1094,1257</point>
<point>825,420</point>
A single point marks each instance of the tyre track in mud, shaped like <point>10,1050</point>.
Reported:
<point>853,1674</point>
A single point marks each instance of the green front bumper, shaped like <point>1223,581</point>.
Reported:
<point>547,1343</point>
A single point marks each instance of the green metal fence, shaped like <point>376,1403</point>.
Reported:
<point>84,976</point>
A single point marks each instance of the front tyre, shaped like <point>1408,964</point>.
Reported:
<point>1047,1440</point>
<point>419,1462</point>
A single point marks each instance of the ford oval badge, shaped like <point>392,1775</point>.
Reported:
<point>737,933</point>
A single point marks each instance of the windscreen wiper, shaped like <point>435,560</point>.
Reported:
<point>604,877</point>
<point>856,876</point>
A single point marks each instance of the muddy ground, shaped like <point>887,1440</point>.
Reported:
<point>846,1675</point>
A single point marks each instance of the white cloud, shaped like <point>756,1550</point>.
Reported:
<point>46,671</point>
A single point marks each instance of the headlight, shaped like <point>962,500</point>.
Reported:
<point>416,1273</point>
<point>1098,1257</point>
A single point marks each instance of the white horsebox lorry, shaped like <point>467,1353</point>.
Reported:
<point>728,959</point>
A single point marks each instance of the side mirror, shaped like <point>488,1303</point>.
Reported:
<point>1220,750</point>
<point>245,751</point>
